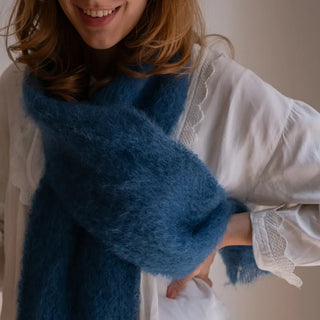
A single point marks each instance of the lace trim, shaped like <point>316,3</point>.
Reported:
<point>197,93</point>
<point>283,266</point>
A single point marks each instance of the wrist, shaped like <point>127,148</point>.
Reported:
<point>239,231</point>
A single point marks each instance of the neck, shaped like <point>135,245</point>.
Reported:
<point>101,63</point>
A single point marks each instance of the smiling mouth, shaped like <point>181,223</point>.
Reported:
<point>99,13</point>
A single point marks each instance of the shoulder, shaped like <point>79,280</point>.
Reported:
<point>12,76</point>
<point>11,100</point>
<point>232,85</point>
<point>11,85</point>
<point>216,76</point>
<point>215,54</point>
<point>210,59</point>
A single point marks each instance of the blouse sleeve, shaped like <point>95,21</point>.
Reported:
<point>289,235</point>
<point>4,168</point>
<point>264,148</point>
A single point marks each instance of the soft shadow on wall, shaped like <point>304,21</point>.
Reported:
<point>5,7</point>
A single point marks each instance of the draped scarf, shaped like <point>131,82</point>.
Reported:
<point>118,195</point>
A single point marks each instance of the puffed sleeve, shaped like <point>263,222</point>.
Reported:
<point>4,168</point>
<point>264,148</point>
<point>289,235</point>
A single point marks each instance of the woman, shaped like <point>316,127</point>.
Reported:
<point>240,121</point>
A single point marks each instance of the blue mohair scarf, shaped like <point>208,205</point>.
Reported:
<point>117,196</point>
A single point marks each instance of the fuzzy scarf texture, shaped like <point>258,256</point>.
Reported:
<point>117,196</point>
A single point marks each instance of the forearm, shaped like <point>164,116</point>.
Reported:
<point>239,231</point>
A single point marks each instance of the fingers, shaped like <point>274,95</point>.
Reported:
<point>177,285</point>
<point>201,272</point>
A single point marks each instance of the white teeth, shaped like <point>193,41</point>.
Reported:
<point>99,13</point>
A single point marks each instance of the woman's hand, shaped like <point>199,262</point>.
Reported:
<point>201,272</point>
<point>239,232</point>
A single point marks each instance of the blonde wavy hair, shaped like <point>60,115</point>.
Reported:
<point>48,43</point>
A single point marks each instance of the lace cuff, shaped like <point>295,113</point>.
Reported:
<point>269,246</point>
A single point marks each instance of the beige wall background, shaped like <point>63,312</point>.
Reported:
<point>5,6</point>
<point>279,40</point>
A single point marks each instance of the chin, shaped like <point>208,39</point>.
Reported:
<point>100,44</point>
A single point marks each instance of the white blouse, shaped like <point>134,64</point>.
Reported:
<point>263,147</point>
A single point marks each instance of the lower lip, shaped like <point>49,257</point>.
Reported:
<point>98,21</point>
